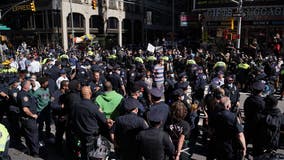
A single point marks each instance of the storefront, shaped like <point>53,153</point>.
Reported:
<point>260,22</point>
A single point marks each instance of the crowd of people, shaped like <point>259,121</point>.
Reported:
<point>148,105</point>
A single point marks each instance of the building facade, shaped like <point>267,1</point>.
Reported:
<point>261,20</point>
<point>115,22</point>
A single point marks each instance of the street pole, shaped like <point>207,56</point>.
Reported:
<point>173,22</point>
<point>72,23</point>
<point>239,32</point>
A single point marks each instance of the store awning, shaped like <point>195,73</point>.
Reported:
<point>4,28</point>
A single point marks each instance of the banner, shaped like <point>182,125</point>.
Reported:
<point>151,48</point>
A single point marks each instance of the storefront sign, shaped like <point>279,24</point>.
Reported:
<point>248,11</point>
<point>184,19</point>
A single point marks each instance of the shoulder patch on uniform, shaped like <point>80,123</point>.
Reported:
<point>26,99</point>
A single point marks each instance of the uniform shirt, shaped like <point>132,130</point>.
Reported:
<point>43,98</point>
<point>253,106</point>
<point>94,85</point>
<point>51,85</point>
<point>232,92</point>
<point>54,72</point>
<point>86,118</point>
<point>218,82</point>
<point>25,99</point>
<point>154,144</point>
<point>126,128</point>
<point>200,82</point>
<point>56,101</point>
<point>3,88</point>
<point>13,93</point>
<point>227,128</point>
<point>69,100</point>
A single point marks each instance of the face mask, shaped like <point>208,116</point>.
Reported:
<point>172,75</point>
<point>182,98</point>
<point>230,85</point>
<point>185,79</point>
<point>140,95</point>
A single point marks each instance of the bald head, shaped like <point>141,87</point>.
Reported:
<point>226,102</point>
<point>86,92</point>
<point>108,86</point>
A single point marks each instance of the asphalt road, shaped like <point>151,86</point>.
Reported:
<point>49,152</point>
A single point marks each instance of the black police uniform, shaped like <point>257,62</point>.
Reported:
<point>199,87</point>
<point>3,100</point>
<point>85,125</point>
<point>14,115</point>
<point>154,143</point>
<point>59,116</point>
<point>233,93</point>
<point>29,124</point>
<point>54,72</point>
<point>227,129</point>
<point>100,84</point>
<point>126,128</point>
<point>253,107</point>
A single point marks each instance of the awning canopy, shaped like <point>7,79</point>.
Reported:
<point>4,28</point>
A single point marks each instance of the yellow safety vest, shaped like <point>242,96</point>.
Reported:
<point>4,137</point>
<point>191,61</point>
<point>139,59</point>
<point>243,66</point>
<point>220,64</point>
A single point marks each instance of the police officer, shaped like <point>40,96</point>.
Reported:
<point>87,118</point>
<point>126,128</point>
<point>232,92</point>
<point>28,109</point>
<point>3,98</point>
<point>199,84</point>
<point>131,76</point>
<point>14,112</point>
<point>117,81</point>
<point>135,94</point>
<point>254,105</point>
<point>169,85</point>
<point>159,105</point>
<point>154,143</point>
<point>227,127</point>
<point>58,111</point>
<point>97,84</point>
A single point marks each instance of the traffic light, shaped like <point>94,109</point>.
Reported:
<point>33,8</point>
<point>232,24</point>
<point>94,4</point>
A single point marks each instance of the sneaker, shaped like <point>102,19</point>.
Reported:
<point>41,143</point>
